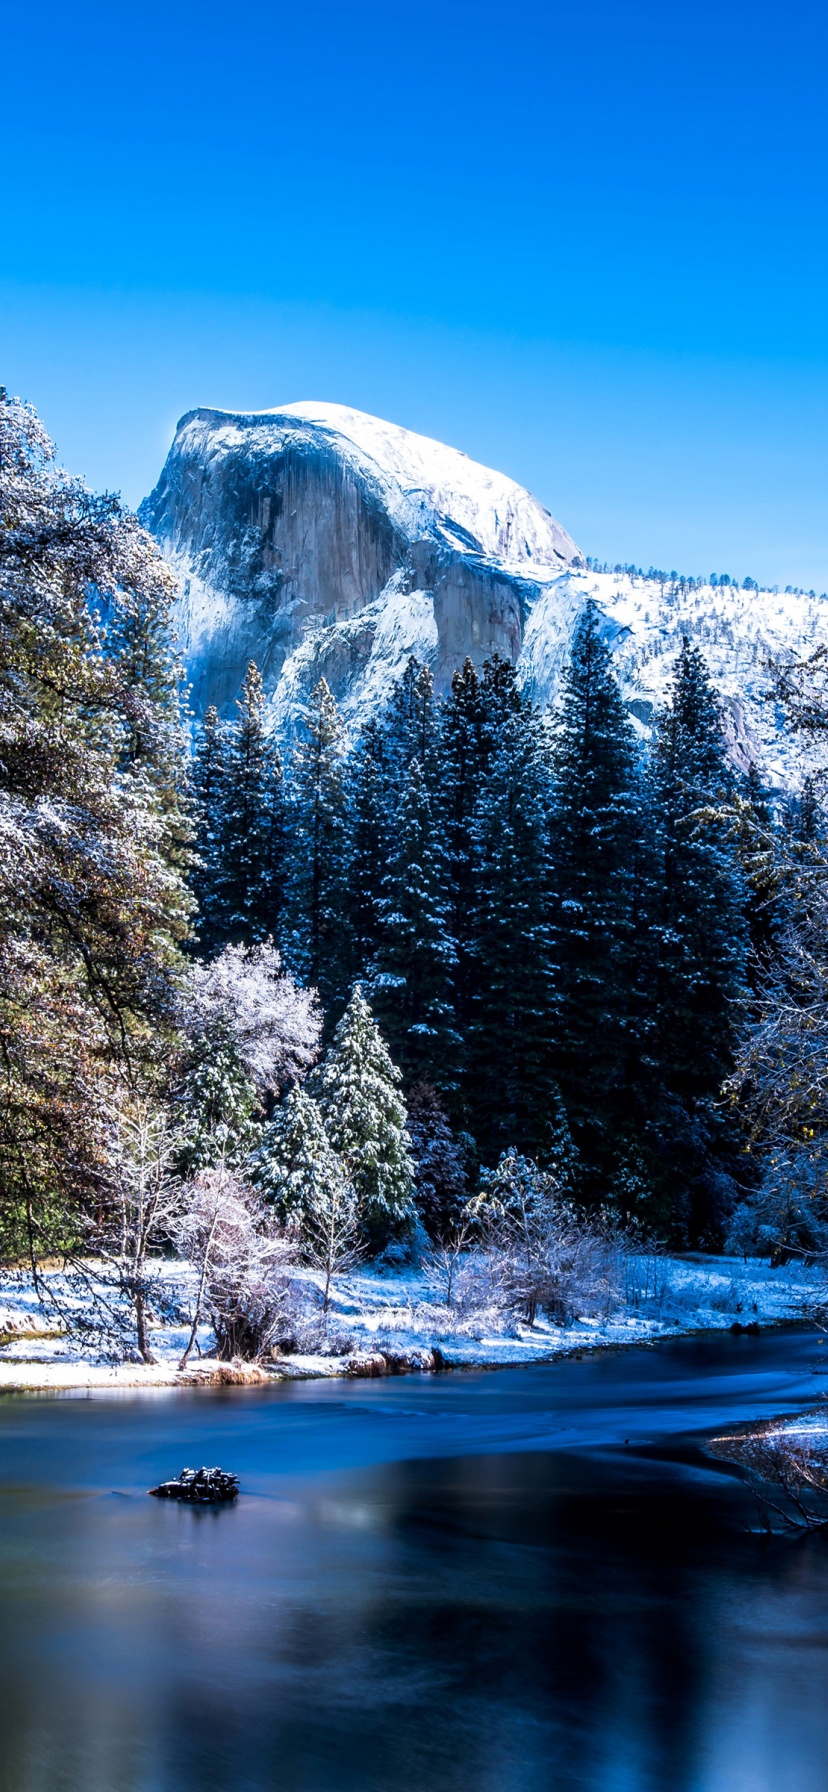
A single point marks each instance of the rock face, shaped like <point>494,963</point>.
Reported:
<point>323,542</point>
<point>317,540</point>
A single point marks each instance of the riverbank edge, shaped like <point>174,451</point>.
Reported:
<point>71,1378</point>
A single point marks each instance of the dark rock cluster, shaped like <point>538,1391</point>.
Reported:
<point>199,1487</point>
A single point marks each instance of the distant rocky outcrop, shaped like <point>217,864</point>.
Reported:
<point>323,542</point>
<point>317,540</point>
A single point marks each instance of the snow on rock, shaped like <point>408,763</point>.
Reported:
<point>738,631</point>
<point>320,541</point>
<point>473,506</point>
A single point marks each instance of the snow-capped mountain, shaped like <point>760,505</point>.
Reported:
<point>320,541</point>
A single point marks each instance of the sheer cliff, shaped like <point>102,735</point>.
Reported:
<point>317,540</point>
<point>323,542</point>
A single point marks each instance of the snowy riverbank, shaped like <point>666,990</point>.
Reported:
<point>380,1323</point>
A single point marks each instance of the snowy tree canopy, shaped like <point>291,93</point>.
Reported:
<point>357,1087</point>
<point>296,1165</point>
<point>274,1024</point>
<point>94,838</point>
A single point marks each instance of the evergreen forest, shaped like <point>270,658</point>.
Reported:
<point>358,970</point>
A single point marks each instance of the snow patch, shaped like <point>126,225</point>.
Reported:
<point>665,1297</point>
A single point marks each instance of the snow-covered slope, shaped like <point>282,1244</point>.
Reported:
<point>320,541</point>
<point>738,631</point>
<point>450,495</point>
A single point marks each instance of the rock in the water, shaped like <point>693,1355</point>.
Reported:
<point>199,1487</point>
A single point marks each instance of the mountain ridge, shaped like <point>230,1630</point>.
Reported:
<point>322,541</point>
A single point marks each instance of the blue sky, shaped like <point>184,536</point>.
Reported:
<point>585,243</point>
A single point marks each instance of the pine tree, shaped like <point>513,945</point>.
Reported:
<point>756,842</point>
<point>593,849</point>
<point>316,942</point>
<point>410,978</point>
<point>700,943</point>
<point>473,718</point>
<point>462,749</point>
<point>217,1103</point>
<point>441,1164</point>
<point>209,779</point>
<point>251,823</point>
<point>700,910</point>
<point>369,828</point>
<point>357,1087</point>
<point>411,727</point>
<point>297,1169</point>
<point>500,701</point>
<point>511,1089</point>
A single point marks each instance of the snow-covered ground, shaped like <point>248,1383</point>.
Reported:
<point>401,1318</point>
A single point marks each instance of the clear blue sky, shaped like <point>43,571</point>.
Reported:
<point>586,243</point>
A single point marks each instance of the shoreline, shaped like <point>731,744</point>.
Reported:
<point>390,1325</point>
<point>77,1378</point>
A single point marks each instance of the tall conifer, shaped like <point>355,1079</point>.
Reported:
<point>357,1088</point>
<point>316,938</point>
<point>593,835</point>
<point>700,936</point>
<point>252,823</point>
<point>411,726</point>
<point>369,829</point>
<point>510,1085</point>
<point>209,776</point>
<point>411,977</point>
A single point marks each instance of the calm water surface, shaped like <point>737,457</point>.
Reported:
<point>520,1582</point>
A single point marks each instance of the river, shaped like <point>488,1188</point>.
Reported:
<point>528,1581</point>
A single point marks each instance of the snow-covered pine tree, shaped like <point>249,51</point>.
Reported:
<point>296,1165</point>
<point>756,838</point>
<point>441,1164</point>
<point>463,759</point>
<point>410,980</point>
<point>369,825</point>
<point>316,941</point>
<point>473,718</point>
<point>699,917</point>
<point>307,1184</point>
<point>700,944</point>
<point>411,727</point>
<point>500,701</point>
<point>217,1103</point>
<point>357,1088</point>
<point>594,843</point>
<point>209,775</point>
<point>251,824</point>
<point>510,1085</point>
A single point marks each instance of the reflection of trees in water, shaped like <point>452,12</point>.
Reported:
<point>512,1623</point>
<point>573,1634</point>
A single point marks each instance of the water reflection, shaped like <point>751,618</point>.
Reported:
<point>506,1621</point>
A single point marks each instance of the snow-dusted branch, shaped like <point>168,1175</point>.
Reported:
<point>274,1024</point>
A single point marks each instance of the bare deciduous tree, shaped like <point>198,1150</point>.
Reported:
<point>141,1213</point>
<point>240,1259</point>
<point>542,1254</point>
<point>331,1236</point>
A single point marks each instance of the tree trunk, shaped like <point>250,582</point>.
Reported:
<point>141,1328</point>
